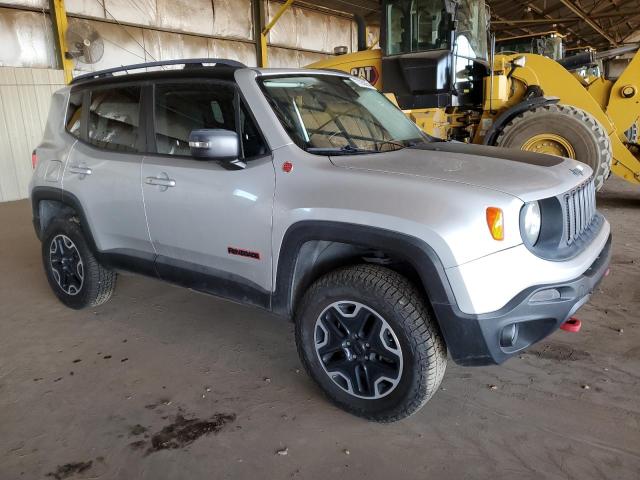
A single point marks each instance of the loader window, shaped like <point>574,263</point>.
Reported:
<point>417,26</point>
<point>471,32</point>
<point>423,25</point>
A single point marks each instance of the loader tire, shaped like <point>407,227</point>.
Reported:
<point>564,131</point>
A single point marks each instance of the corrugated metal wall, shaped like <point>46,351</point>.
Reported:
<point>135,31</point>
<point>25,94</point>
<point>308,36</point>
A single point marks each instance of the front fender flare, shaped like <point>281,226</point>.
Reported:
<point>405,247</point>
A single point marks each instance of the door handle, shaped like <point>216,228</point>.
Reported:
<point>161,182</point>
<point>80,170</point>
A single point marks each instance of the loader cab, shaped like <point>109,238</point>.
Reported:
<point>434,52</point>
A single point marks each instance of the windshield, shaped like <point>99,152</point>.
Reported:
<point>330,114</point>
<point>423,25</point>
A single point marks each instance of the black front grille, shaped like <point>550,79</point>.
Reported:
<point>579,210</point>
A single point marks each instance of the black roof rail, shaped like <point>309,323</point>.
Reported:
<point>187,62</point>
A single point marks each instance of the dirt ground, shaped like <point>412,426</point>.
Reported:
<point>164,383</point>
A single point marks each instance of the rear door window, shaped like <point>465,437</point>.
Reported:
<point>114,119</point>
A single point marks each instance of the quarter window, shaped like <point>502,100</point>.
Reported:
<point>74,114</point>
<point>114,118</point>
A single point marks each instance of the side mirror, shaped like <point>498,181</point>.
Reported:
<point>216,144</point>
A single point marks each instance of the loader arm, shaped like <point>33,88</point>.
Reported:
<point>624,100</point>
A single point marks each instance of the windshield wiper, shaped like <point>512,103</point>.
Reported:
<point>395,143</point>
<point>346,150</point>
<point>419,143</point>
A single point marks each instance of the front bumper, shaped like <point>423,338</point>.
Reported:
<point>492,338</point>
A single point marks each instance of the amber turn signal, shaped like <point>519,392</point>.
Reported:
<point>495,221</point>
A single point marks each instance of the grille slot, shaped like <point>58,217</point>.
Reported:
<point>580,207</point>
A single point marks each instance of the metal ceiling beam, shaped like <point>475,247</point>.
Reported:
<point>589,21</point>
<point>602,6</point>
<point>626,20</point>
<point>630,35</point>
<point>537,21</point>
<point>508,28</point>
<point>546,21</point>
<point>540,12</point>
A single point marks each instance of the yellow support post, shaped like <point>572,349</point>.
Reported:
<point>265,31</point>
<point>59,21</point>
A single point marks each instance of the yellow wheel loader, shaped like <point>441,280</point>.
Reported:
<point>591,69</point>
<point>436,64</point>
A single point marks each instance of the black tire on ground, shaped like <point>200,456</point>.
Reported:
<point>383,294</point>
<point>585,134</point>
<point>88,284</point>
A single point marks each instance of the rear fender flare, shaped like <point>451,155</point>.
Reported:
<point>65,198</point>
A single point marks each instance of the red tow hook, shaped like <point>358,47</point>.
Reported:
<point>572,325</point>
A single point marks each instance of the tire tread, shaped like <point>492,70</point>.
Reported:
<point>411,309</point>
<point>603,169</point>
<point>99,280</point>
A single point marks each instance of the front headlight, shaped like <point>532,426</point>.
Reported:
<point>531,222</point>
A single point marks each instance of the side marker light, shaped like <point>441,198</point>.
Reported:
<point>495,222</point>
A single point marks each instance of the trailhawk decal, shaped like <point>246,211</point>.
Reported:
<point>241,252</point>
<point>368,73</point>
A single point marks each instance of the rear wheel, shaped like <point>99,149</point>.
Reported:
<point>365,335</point>
<point>564,131</point>
<point>74,274</point>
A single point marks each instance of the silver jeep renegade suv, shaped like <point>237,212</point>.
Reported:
<point>309,194</point>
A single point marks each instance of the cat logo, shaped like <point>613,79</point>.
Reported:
<point>368,73</point>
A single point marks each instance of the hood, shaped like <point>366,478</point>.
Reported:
<point>526,175</point>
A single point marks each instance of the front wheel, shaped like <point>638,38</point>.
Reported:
<point>365,335</point>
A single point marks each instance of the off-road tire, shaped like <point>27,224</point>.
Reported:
<point>586,135</point>
<point>98,283</point>
<point>405,309</point>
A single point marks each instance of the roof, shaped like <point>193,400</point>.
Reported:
<point>190,64</point>
<point>193,68</point>
<point>601,24</point>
